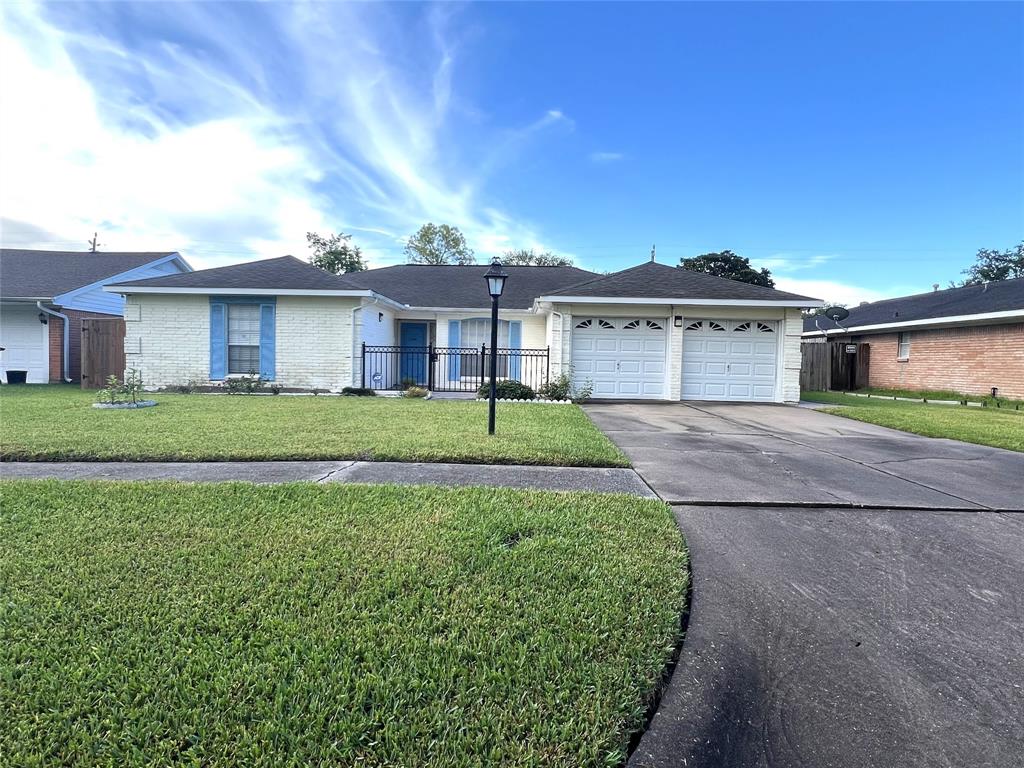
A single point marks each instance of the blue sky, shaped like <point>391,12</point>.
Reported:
<point>859,150</point>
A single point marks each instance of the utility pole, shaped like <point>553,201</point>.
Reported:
<point>94,243</point>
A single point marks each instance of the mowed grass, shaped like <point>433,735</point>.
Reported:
<point>940,394</point>
<point>997,427</point>
<point>57,423</point>
<point>294,625</point>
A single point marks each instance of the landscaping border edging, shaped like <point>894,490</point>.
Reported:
<point>124,406</point>
<point>535,400</point>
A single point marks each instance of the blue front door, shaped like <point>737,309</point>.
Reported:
<point>415,353</point>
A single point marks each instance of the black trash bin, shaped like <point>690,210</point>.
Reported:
<point>16,377</point>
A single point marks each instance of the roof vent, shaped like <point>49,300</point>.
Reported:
<point>935,287</point>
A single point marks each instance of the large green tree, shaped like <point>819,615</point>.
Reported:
<point>729,265</point>
<point>438,244</point>
<point>335,253</point>
<point>522,257</point>
<point>996,265</point>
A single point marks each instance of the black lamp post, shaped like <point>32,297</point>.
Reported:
<point>496,278</point>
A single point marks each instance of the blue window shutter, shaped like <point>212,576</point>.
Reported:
<point>268,347</point>
<point>218,340</point>
<point>515,341</point>
<point>454,331</point>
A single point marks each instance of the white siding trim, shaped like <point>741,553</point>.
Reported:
<point>981,317</point>
<point>640,300</point>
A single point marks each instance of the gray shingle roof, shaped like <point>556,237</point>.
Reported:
<point>431,285</point>
<point>651,280</point>
<point>1000,296</point>
<point>284,272</point>
<point>45,274</point>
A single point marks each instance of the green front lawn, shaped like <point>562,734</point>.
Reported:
<point>939,394</point>
<point>57,423</point>
<point>294,625</point>
<point>997,427</point>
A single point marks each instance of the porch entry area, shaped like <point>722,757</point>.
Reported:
<point>417,362</point>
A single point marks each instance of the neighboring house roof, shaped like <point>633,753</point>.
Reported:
<point>29,274</point>
<point>651,280</point>
<point>285,273</point>
<point>452,286</point>
<point>995,301</point>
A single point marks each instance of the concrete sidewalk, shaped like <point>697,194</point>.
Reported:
<point>599,480</point>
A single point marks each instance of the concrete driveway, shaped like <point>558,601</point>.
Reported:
<point>714,453</point>
<point>884,630</point>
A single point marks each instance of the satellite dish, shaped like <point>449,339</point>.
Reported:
<point>836,314</point>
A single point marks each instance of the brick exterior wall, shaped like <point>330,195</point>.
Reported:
<point>55,328</point>
<point>167,338</point>
<point>55,331</point>
<point>970,359</point>
<point>315,342</point>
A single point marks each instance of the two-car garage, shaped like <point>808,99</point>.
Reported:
<point>722,359</point>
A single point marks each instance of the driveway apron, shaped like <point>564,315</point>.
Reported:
<point>709,453</point>
<point>856,602</point>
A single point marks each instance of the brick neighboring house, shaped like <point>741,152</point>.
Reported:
<point>45,295</point>
<point>968,339</point>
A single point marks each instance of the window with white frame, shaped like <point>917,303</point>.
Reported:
<point>476,332</point>
<point>903,346</point>
<point>243,338</point>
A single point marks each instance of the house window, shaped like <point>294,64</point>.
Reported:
<point>476,332</point>
<point>243,338</point>
<point>903,347</point>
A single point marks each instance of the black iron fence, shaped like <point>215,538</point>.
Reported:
<point>449,369</point>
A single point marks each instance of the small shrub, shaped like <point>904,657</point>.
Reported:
<point>110,394</point>
<point>562,388</point>
<point>132,386</point>
<point>558,388</point>
<point>416,392</point>
<point>246,385</point>
<point>508,389</point>
<point>358,392</point>
<point>583,392</point>
<point>188,388</point>
<point>407,382</point>
<point>275,389</point>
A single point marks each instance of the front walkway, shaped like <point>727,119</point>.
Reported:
<point>599,480</point>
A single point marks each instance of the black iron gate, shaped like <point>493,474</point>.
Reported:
<point>449,369</point>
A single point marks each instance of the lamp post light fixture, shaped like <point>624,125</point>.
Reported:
<point>495,278</point>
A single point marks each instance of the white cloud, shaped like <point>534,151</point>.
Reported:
<point>836,291</point>
<point>784,262</point>
<point>606,157</point>
<point>175,148</point>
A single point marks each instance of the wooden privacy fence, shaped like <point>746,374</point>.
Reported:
<point>833,365</point>
<point>102,351</point>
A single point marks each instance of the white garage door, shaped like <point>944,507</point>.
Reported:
<point>23,338</point>
<point>621,356</point>
<point>730,359</point>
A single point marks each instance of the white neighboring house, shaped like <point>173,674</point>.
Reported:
<point>45,295</point>
<point>652,332</point>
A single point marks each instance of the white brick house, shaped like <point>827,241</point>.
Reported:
<point>650,332</point>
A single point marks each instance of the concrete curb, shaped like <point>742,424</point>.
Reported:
<point>594,479</point>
